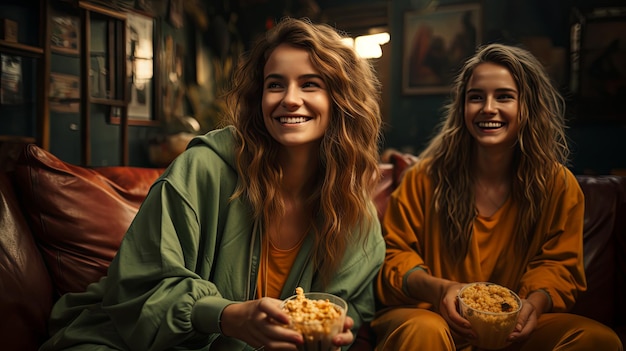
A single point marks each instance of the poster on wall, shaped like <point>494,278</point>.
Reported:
<point>11,80</point>
<point>436,42</point>
<point>64,35</point>
<point>139,46</point>
<point>64,93</point>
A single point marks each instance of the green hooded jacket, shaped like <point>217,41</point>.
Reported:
<point>190,243</point>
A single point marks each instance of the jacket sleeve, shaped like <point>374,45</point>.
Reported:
<point>152,283</point>
<point>403,221</point>
<point>557,268</point>
<point>355,279</point>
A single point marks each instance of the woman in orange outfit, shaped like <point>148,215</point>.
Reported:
<point>490,199</point>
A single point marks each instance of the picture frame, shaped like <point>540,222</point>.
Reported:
<point>436,42</point>
<point>172,87</point>
<point>140,66</point>
<point>11,80</point>
<point>64,34</point>
<point>64,93</point>
<point>598,63</point>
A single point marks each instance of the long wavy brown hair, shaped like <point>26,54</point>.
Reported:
<point>540,148</point>
<point>349,149</point>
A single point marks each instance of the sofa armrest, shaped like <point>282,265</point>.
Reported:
<point>26,297</point>
<point>603,232</point>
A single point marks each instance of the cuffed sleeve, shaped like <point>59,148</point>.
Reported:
<point>403,224</point>
<point>204,313</point>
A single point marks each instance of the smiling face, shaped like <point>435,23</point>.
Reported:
<point>296,102</point>
<point>492,106</point>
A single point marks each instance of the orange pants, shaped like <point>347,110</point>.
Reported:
<point>418,329</point>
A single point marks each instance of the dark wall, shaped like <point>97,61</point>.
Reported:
<point>597,143</point>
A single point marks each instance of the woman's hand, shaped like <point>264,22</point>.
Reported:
<point>345,337</point>
<point>442,294</point>
<point>261,323</point>
<point>449,310</point>
<point>526,322</point>
<point>535,304</point>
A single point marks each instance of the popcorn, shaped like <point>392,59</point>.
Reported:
<point>492,311</point>
<point>489,298</point>
<point>302,309</point>
<point>318,316</point>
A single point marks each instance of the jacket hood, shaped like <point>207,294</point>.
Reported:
<point>221,141</point>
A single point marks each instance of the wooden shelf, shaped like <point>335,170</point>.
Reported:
<point>20,49</point>
<point>110,102</point>
<point>135,122</point>
<point>102,10</point>
<point>17,139</point>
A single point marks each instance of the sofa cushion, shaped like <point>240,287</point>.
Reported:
<point>25,287</point>
<point>78,215</point>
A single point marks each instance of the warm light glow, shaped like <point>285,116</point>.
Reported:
<point>368,46</point>
<point>143,49</point>
<point>143,69</point>
<point>348,41</point>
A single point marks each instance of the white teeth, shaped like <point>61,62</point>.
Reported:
<point>490,124</point>
<point>292,120</point>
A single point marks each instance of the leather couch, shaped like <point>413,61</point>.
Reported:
<point>61,224</point>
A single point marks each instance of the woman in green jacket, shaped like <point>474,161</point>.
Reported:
<point>278,199</point>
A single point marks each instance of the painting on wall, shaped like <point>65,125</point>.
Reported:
<point>436,42</point>
<point>598,62</point>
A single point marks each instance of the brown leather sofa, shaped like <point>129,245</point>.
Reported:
<point>60,226</point>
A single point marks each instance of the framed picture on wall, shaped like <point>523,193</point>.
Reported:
<point>64,93</point>
<point>436,42</point>
<point>598,63</point>
<point>64,37</point>
<point>11,80</point>
<point>140,67</point>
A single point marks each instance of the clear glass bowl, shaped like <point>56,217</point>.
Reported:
<point>319,332</point>
<point>491,328</point>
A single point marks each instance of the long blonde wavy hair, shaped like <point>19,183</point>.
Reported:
<point>349,149</point>
<point>541,143</point>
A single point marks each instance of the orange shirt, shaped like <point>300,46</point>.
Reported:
<point>554,261</point>
<point>270,282</point>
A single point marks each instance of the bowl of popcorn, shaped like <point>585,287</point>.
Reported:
<point>492,311</point>
<point>318,316</point>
